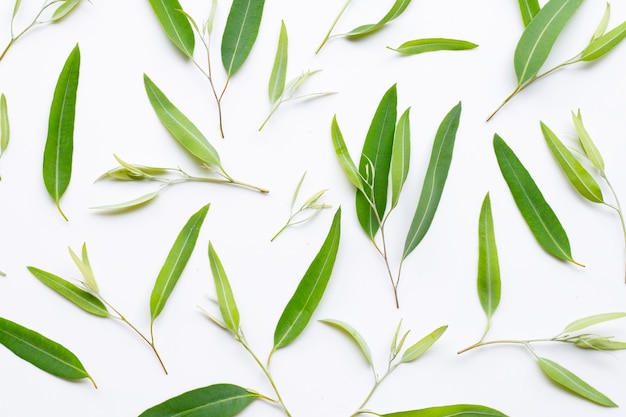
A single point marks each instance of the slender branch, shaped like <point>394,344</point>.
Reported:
<point>343,9</point>
<point>617,208</point>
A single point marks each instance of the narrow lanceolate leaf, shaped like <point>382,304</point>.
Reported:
<point>242,27</point>
<point>83,299</point>
<point>354,335</point>
<point>400,156</point>
<point>595,342</point>
<point>539,216</point>
<point>175,262</point>
<point>175,24</point>
<point>64,9</point>
<point>57,159</point>
<point>375,164</point>
<point>5,131</point>
<point>587,144</point>
<point>575,172</point>
<point>131,204</point>
<point>181,128</point>
<point>16,7</point>
<point>225,297</point>
<point>488,282</point>
<point>605,43</point>
<point>219,400</point>
<point>396,10</point>
<point>604,23</point>
<point>419,46</point>
<point>457,410</point>
<point>40,351</point>
<point>344,156</point>
<point>279,70</point>
<point>540,35</point>
<point>529,9</point>
<point>591,320</point>
<point>573,383</point>
<point>84,266</point>
<point>308,295</point>
<point>435,179</point>
<point>416,350</point>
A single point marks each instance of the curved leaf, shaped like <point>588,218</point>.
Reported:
<point>135,202</point>
<point>308,295</point>
<point>344,156</point>
<point>57,158</point>
<point>590,149</point>
<point>219,400</point>
<point>354,335</point>
<point>435,179</point>
<point>5,130</point>
<point>529,9</point>
<point>64,9</point>
<point>592,320</point>
<point>279,70</point>
<point>175,24</point>
<point>604,23</point>
<point>419,46</point>
<point>400,156</point>
<point>457,410</point>
<point>399,6</point>
<point>602,45</point>
<point>225,297</point>
<point>242,27</point>
<point>488,282</point>
<point>416,350</point>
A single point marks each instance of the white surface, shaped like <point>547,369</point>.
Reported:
<point>321,374</point>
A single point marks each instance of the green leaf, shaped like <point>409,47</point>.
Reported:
<point>400,156</point>
<point>605,43</point>
<point>539,216</point>
<point>242,27</point>
<point>64,9</point>
<point>435,179</point>
<point>575,172</point>
<point>604,23</point>
<point>591,320</point>
<point>536,42</point>
<point>308,295</point>
<point>5,131</point>
<point>57,159</point>
<point>83,299</point>
<point>219,400</point>
<point>126,205</point>
<point>375,164</point>
<point>590,149</point>
<point>180,127</point>
<point>457,410</point>
<point>354,335</point>
<point>419,348</point>
<point>175,24</point>
<point>344,156</point>
<point>488,282</point>
<point>573,383</point>
<point>175,262</point>
<point>279,70</point>
<point>40,351</point>
<point>84,266</point>
<point>591,341</point>
<point>419,46</point>
<point>396,10</point>
<point>225,297</point>
<point>529,9</point>
<point>16,7</point>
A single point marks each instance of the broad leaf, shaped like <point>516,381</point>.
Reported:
<point>591,320</point>
<point>529,9</point>
<point>354,335</point>
<point>225,297</point>
<point>242,27</point>
<point>278,76</point>
<point>400,156</point>
<point>344,156</point>
<point>399,6</point>
<point>488,282</point>
<point>419,46</point>
<point>175,24</point>
<point>457,410</point>
<point>416,350</point>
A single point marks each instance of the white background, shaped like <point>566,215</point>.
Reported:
<point>321,374</point>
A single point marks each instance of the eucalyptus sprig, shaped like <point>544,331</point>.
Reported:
<point>5,129</point>
<point>61,9</point>
<point>542,31</point>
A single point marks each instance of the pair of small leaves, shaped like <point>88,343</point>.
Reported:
<point>420,46</point>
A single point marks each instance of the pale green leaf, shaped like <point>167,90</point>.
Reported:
<point>354,335</point>
<point>399,6</point>
<point>400,156</point>
<point>64,9</point>
<point>279,70</point>
<point>591,320</point>
<point>16,7</point>
<point>587,144</point>
<point>225,297</point>
<point>416,350</point>
<point>242,27</point>
<point>344,156</point>
<point>175,24</point>
<point>130,204</point>
<point>419,46</point>
<point>591,341</point>
<point>5,131</point>
<point>605,43</point>
<point>84,266</point>
<point>604,23</point>
<point>488,282</point>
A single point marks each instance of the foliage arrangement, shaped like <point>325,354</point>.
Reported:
<point>383,169</point>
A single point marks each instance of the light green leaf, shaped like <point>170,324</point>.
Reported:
<point>219,400</point>
<point>5,130</point>
<point>592,341</point>
<point>84,266</point>
<point>435,179</point>
<point>539,216</point>
<point>539,36</point>
<point>225,297</point>
<point>16,7</point>
<point>175,24</point>
<point>242,27</point>
<point>488,282</point>
<point>354,335</point>
<point>64,9</point>
<point>399,6</point>
<point>181,128</point>
<point>605,43</point>
<point>573,383</point>
<point>587,144</point>
<point>42,352</point>
<point>57,159</point>
<point>400,156</point>
<point>175,262</point>
<point>308,295</point>
<point>279,70</point>
<point>529,9</point>
<point>591,320</point>
<point>575,172</point>
<point>457,410</point>
<point>83,299</point>
<point>419,46</point>
<point>375,164</point>
<point>126,205</point>
<point>208,27</point>
<point>604,23</point>
<point>419,348</point>
<point>344,156</point>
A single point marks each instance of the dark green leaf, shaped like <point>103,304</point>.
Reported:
<point>279,70</point>
<point>399,6</point>
<point>529,9</point>
<point>225,297</point>
<point>175,24</point>
<point>457,410</point>
<point>488,281</point>
<point>242,27</point>
<point>419,46</point>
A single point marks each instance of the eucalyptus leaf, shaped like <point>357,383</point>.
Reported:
<point>302,305</point>
<point>279,70</point>
<point>181,128</point>
<point>242,27</point>
<point>57,159</point>
<point>457,410</point>
<point>219,400</point>
<point>416,350</point>
<point>83,299</point>
<point>434,180</point>
<point>488,282</point>
<point>5,130</point>
<point>529,9</point>
<point>175,24</point>
<point>225,297</point>
<point>16,7</point>
<point>539,216</point>
<point>175,262</point>
<point>573,383</point>
<point>64,9</point>
<point>42,352</point>
<point>599,343</point>
<point>585,322</point>
<point>590,149</point>
<point>604,44</point>
<point>399,6</point>
<point>354,335</point>
<point>604,23</point>
<point>84,266</point>
<point>344,156</point>
<point>130,204</point>
<point>419,46</point>
<point>400,156</point>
